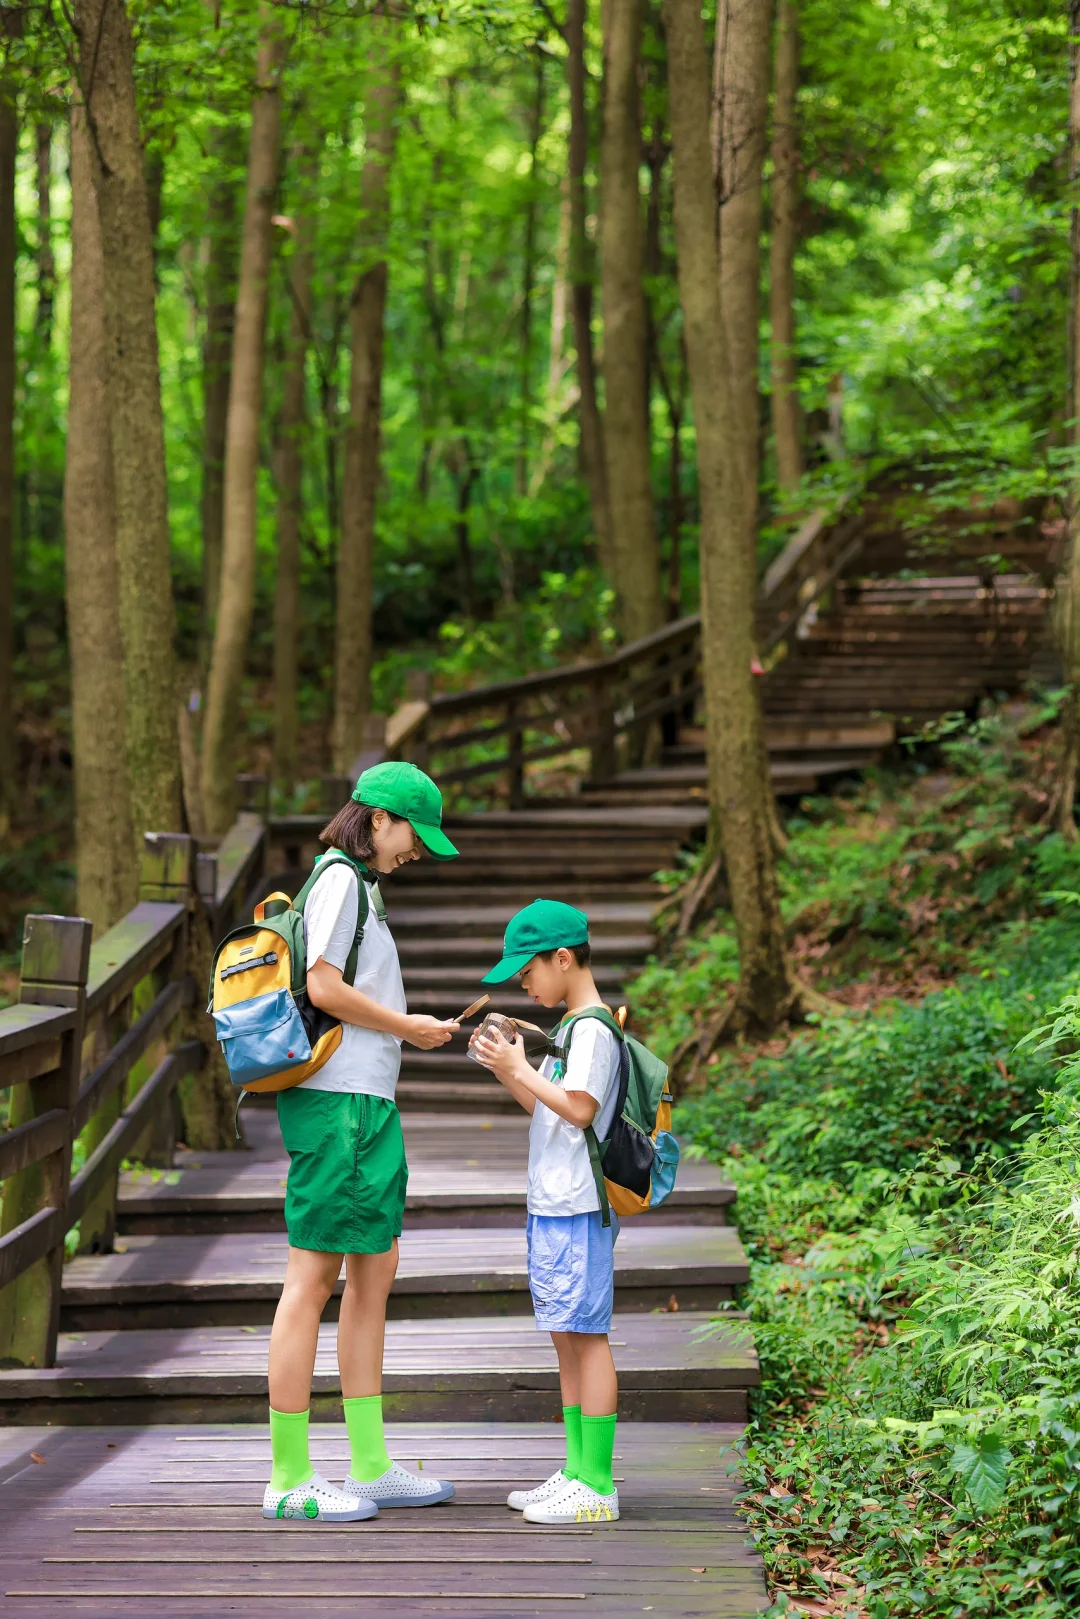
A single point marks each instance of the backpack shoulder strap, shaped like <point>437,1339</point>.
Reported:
<point>336,857</point>
<point>600,1013</point>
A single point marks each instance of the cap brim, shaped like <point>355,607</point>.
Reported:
<point>507,967</point>
<point>435,841</point>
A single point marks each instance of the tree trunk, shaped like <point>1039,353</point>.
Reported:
<point>290,464</point>
<point>46,259</point>
<point>237,594</point>
<point>739,114</point>
<point>9,145</point>
<point>581,281</point>
<point>1067,603</point>
<point>352,674</point>
<point>737,782</point>
<point>147,621</point>
<point>536,124</point>
<point>627,449</point>
<point>786,415</point>
<point>224,245</point>
<point>107,864</point>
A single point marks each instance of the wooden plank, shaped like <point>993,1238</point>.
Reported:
<point>30,1142</point>
<point>30,1241</point>
<point>238,854</point>
<point>31,1029</point>
<point>128,951</point>
<point>131,1123</point>
<point>94,1521</point>
<point>117,1064</point>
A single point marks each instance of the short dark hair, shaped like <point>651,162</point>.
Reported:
<point>582,953</point>
<point>351,830</point>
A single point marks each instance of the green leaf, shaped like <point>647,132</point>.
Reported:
<point>983,1469</point>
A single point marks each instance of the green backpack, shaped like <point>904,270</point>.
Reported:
<point>635,1165</point>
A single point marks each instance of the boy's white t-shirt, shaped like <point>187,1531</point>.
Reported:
<point>560,1174</point>
<point>367,1061</point>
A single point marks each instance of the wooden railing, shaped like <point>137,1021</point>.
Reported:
<point>597,707</point>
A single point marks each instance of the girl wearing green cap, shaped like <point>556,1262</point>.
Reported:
<point>345,1194</point>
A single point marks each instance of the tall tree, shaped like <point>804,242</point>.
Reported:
<point>783,241</point>
<point>223,243</point>
<point>236,598</point>
<point>1067,603</point>
<point>46,258</point>
<point>581,280</point>
<point>10,28</point>
<point>738,784</point>
<point>289,482</point>
<point>107,85</point>
<point>739,116</point>
<point>106,851</point>
<point>528,279</point>
<point>352,673</point>
<point>627,448</point>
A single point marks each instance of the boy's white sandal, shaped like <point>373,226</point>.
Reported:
<point>397,1487</point>
<point>316,1502</point>
<point>577,1503</point>
<point>520,1499</point>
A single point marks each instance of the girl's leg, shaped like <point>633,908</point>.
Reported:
<point>361,1334</point>
<point>294,1338</point>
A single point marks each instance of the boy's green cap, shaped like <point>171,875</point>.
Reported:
<point>404,790</point>
<point>546,924</point>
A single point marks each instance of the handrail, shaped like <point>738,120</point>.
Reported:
<point>71,998</point>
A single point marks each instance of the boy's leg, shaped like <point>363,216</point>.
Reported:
<point>599,1402</point>
<point>570,1384</point>
<point>373,1476</point>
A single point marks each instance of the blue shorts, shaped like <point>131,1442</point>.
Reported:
<point>572,1271</point>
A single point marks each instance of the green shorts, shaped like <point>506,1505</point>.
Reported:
<point>347,1171</point>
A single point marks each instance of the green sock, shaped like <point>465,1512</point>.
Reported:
<point>571,1415</point>
<point>367,1448</point>
<point>597,1448</point>
<point>289,1449</point>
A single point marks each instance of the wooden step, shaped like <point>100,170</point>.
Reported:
<point>166,1521</point>
<point>486,950</point>
<point>469,918</point>
<point>195,1281</point>
<point>491,1368</point>
<point>462,1171</point>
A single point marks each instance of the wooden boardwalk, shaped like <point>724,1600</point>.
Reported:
<point>127,1521</point>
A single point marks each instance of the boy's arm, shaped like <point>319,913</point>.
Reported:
<point>512,1068</point>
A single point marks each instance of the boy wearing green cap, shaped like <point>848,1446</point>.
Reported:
<point>571,1251</point>
<point>345,1194</point>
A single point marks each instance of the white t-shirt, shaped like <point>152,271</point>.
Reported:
<point>366,1061</point>
<point>560,1174</point>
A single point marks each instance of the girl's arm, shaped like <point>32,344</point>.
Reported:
<point>512,1068</point>
<point>327,989</point>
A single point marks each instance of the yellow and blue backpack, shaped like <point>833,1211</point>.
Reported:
<point>272,1036</point>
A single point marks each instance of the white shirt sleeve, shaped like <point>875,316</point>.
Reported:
<point>330,917</point>
<point>593,1063</point>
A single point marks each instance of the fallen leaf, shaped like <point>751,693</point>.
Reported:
<point>672,1306</point>
<point>699,1571</point>
<point>34,1457</point>
<point>110,1446</point>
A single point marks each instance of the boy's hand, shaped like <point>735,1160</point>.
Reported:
<point>428,1032</point>
<point>504,1060</point>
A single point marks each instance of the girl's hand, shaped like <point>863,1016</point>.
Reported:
<point>427,1032</point>
<point>496,1053</point>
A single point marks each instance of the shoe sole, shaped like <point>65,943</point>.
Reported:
<point>357,1515</point>
<point>445,1494</point>
<point>605,1515</point>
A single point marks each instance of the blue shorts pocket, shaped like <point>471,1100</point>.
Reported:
<point>263,1036</point>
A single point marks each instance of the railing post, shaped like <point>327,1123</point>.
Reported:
<point>418,690</point>
<point>253,795</point>
<point>602,761</point>
<point>55,964</point>
<point>168,870</point>
<point>335,792</point>
<point>515,758</point>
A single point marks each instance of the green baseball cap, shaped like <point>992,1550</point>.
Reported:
<point>546,924</point>
<point>404,790</point>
